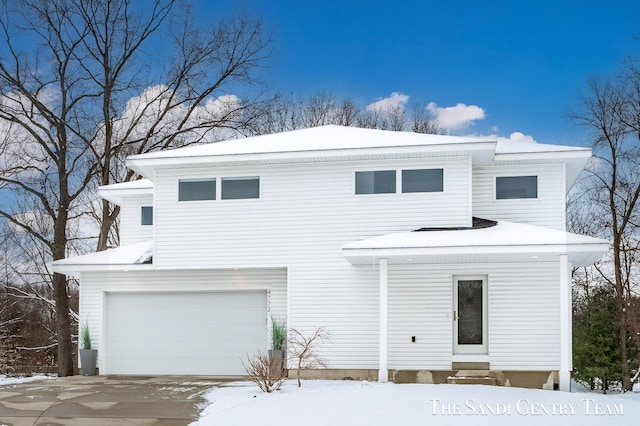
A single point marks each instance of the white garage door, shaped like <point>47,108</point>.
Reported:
<point>183,333</point>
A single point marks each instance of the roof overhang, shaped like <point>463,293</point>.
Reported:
<point>504,243</point>
<point>481,152</point>
<point>132,257</point>
<point>118,192</point>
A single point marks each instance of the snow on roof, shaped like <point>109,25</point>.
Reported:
<point>519,147</point>
<point>505,238</point>
<point>117,191</point>
<point>321,138</point>
<point>134,184</point>
<point>134,254</point>
<point>333,137</point>
<point>503,234</point>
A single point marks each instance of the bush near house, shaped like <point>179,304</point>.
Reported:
<point>596,350</point>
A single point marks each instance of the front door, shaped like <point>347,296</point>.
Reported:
<point>470,315</point>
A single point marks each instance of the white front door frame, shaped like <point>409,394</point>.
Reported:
<point>480,349</point>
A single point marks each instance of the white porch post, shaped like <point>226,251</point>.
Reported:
<point>566,363</point>
<point>382,371</point>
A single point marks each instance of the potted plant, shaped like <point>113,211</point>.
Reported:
<point>88,356</point>
<point>278,338</point>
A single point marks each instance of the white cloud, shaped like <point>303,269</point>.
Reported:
<point>21,156</point>
<point>517,137</point>
<point>456,117</point>
<point>396,101</point>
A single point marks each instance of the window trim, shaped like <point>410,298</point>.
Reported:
<point>142,216</point>
<point>495,187</point>
<point>423,192</point>
<point>241,177</point>
<point>388,169</point>
<point>207,179</point>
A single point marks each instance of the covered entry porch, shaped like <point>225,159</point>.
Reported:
<point>496,294</point>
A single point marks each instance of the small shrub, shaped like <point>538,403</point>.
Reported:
<point>265,371</point>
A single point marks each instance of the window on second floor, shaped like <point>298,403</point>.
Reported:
<point>146,215</point>
<point>376,182</point>
<point>423,180</point>
<point>196,189</point>
<point>235,188</point>
<point>516,187</point>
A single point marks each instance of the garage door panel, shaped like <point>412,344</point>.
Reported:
<point>184,333</point>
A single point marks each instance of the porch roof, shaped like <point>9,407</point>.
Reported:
<point>504,242</point>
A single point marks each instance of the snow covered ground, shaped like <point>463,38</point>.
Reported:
<point>4,380</point>
<point>325,402</point>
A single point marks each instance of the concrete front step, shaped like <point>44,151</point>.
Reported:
<point>474,380</point>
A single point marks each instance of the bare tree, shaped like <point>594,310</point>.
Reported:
<point>78,94</point>
<point>283,113</point>
<point>303,348</point>
<point>422,122</point>
<point>610,112</point>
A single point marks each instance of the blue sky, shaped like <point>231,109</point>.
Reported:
<point>521,62</point>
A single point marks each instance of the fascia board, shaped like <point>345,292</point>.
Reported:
<point>116,196</point>
<point>584,153</point>
<point>145,165</point>
<point>73,270</point>
<point>497,249</point>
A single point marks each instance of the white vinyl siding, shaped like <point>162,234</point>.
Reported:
<point>304,213</point>
<point>420,305</point>
<point>131,229</point>
<point>545,210</point>
<point>523,315</point>
<point>304,225</point>
<point>95,286</point>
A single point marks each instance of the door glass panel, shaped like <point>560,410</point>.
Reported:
<point>470,312</point>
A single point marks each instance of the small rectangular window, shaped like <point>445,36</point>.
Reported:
<point>236,188</point>
<point>147,215</point>
<point>514,187</point>
<point>423,180</point>
<point>376,182</point>
<point>196,189</point>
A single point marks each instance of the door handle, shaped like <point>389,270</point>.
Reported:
<point>455,315</point>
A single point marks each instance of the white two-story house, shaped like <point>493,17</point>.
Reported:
<point>420,255</point>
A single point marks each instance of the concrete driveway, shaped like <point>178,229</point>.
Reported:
<point>105,401</point>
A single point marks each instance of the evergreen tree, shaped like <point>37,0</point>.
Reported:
<point>596,349</point>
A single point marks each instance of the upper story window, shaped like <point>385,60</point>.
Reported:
<point>514,187</point>
<point>146,215</point>
<point>423,180</point>
<point>196,189</point>
<point>376,182</point>
<point>235,188</point>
